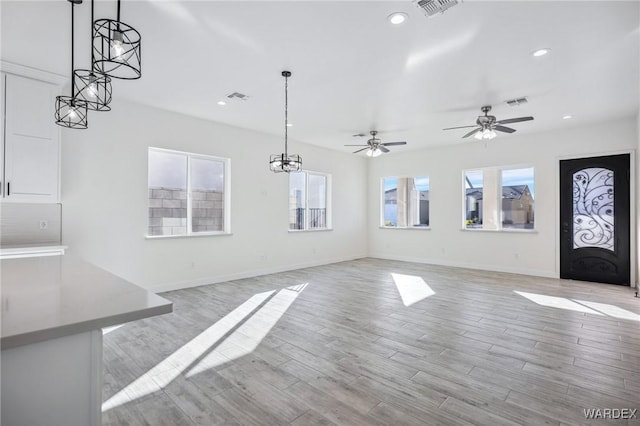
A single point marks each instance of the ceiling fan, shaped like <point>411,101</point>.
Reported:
<point>486,125</point>
<point>374,145</point>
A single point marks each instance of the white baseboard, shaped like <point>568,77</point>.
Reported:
<point>283,268</point>
<point>247,274</point>
<point>493,268</point>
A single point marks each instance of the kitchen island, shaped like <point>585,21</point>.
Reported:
<point>53,312</point>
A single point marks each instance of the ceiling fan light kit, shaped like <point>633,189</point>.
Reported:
<point>285,162</point>
<point>376,152</point>
<point>485,134</point>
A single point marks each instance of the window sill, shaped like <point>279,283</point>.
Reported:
<point>408,228</point>
<point>295,231</point>
<point>198,235</point>
<point>505,231</point>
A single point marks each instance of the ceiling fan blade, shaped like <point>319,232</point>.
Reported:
<point>393,143</point>
<point>461,127</point>
<point>514,120</point>
<point>358,145</point>
<point>473,132</point>
<point>382,148</point>
<point>359,135</point>
<point>355,152</point>
<point>504,129</point>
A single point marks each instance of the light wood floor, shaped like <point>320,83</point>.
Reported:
<point>336,344</point>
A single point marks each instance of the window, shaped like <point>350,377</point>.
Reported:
<point>405,202</point>
<point>499,198</point>
<point>309,195</point>
<point>188,194</point>
<point>473,184</point>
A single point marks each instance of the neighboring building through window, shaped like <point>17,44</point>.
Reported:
<point>499,198</point>
<point>188,193</point>
<point>309,201</point>
<point>405,202</point>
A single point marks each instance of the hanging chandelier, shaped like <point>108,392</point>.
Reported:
<point>92,86</point>
<point>285,162</point>
<point>116,48</point>
<point>71,112</point>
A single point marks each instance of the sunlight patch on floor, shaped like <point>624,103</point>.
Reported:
<point>236,334</point>
<point>412,288</point>
<point>246,338</point>
<point>557,302</point>
<point>611,310</point>
<point>595,308</point>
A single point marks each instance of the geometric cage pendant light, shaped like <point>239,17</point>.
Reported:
<point>92,86</point>
<point>116,49</point>
<point>71,112</point>
<point>285,162</point>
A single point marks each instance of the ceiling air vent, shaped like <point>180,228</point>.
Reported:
<point>237,96</point>
<point>433,7</point>
<point>517,102</point>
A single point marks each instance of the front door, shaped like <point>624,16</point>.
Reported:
<point>594,219</point>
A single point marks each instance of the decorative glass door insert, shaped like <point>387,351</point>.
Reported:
<point>593,223</point>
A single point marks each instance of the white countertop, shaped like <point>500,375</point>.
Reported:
<point>54,296</point>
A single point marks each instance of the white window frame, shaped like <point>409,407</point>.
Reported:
<point>382,204</point>
<point>227,194</point>
<point>328,193</point>
<point>499,214</point>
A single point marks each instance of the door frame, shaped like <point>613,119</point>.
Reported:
<point>633,249</point>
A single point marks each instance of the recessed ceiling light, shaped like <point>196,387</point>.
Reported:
<point>222,103</point>
<point>397,18</point>
<point>567,117</point>
<point>541,52</point>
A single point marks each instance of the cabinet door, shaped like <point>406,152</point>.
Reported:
<point>32,151</point>
<point>3,78</point>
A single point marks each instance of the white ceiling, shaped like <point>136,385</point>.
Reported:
<point>352,70</point>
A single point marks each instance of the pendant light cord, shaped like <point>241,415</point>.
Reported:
<point>72,20</point>
<point>286,113</point>
<point>118,15</point>
<point>91,32</point>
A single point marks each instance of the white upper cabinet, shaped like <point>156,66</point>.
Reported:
<point>31,141</point>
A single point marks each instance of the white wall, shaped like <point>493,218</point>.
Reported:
<point>104,196</point>
<point>446,243</point>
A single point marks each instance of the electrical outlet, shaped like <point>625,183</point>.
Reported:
<point>44,224</point>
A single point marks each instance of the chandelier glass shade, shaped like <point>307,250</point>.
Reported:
<point>285,162</point>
